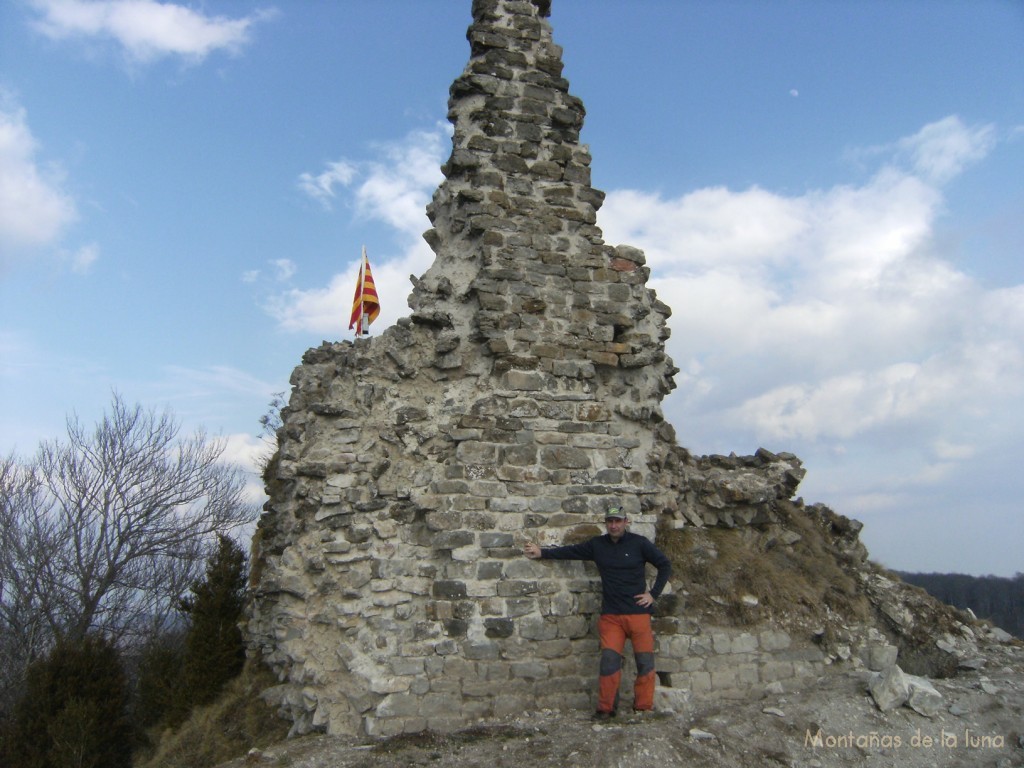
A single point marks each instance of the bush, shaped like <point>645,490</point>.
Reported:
<point>159,679</point>
<point>73,713</point>
<point>214,651</point>
<point>229,727</point>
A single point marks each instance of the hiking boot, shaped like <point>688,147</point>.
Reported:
<point>601,716</point>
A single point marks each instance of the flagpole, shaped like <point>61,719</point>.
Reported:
<point>359,288</point>
<point>365,304</point>
<point>363,327</point>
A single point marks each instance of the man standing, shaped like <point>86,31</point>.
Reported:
<point>626,604</point>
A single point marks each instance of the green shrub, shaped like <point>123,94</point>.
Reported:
<point>73,713</point>
<point>159,679</point>
<point>229,727</point>
<point>214,650</point>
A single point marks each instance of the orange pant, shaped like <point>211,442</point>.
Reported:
<point>614,630</point>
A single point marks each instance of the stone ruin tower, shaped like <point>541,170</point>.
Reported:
<point>519,400</point>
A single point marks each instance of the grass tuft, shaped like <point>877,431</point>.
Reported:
<point>225,729</point>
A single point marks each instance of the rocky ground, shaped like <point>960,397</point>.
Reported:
<point>833,721</point>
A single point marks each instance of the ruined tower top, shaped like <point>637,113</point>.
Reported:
<point>521,264</point>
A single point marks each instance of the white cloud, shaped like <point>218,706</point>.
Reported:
<point>202,383</point>
<point>250,453</point>
<point>710,226</point>
<point>34,208</point>
<point>397,188</point>
<point>394,188</point>
<point>81,261</point>
<point>832,318</point>
<point>326,310</point>
<point>946,450</point>
<point>15,355</point>
<point>146,29</point>
<point>321,186</point>
<point>284,269</point>
<point>941,150</point>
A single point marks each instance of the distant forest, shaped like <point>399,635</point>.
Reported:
<point>998,599</point>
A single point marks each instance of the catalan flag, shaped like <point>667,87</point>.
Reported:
<point>365,305</point>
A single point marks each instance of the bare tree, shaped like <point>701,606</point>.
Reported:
<point>25,536</point>
<point>107,530</point>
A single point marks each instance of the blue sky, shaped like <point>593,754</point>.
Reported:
<point>829,195</point>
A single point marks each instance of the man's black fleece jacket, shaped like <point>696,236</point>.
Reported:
<point>621,565</point>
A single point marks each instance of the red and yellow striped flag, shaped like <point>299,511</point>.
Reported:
<point>365,304</point>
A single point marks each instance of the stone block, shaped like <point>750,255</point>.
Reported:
<point>677,646</point>
<point>498,627</point>
<point>506,706</point>
<point>480,651</point>
<point>449,589</point>
<point>530,670</point>
<point>720,662</point>
<point>443,521</point>
<point>562,604</point>
<point>399,705</point>
<point>519,606</point>
<point>489,570</point>
<point>774,640</point>
<point>537,628</point>
<point>721,642</point>
<point>519,455</point>
<point>459,668</point>
<point>488,488</point>
<point>889,689</point>
<point>452,539</point>
<point>528,381</point>
<point>468,503</point>
<point>521,568</point>
<point>471,555</point>
<point>879,656</point>
<point>476,452</point>
<point>724,679</point>
<point>477,688</point>
<point>592,412</point>
<point>776,670</point>
<point>564,457</point>
<point>554,649</point>
<point>747,674</point>
<point>573,627</point>
<point>511,588</point>
<point>383,727</point>
<point>810,655</point>
<point>744,643</point>
<point>923,698</point>
<point>489,540</point>
<point>699,682</point>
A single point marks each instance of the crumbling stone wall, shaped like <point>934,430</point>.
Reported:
<point>519,400</point>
